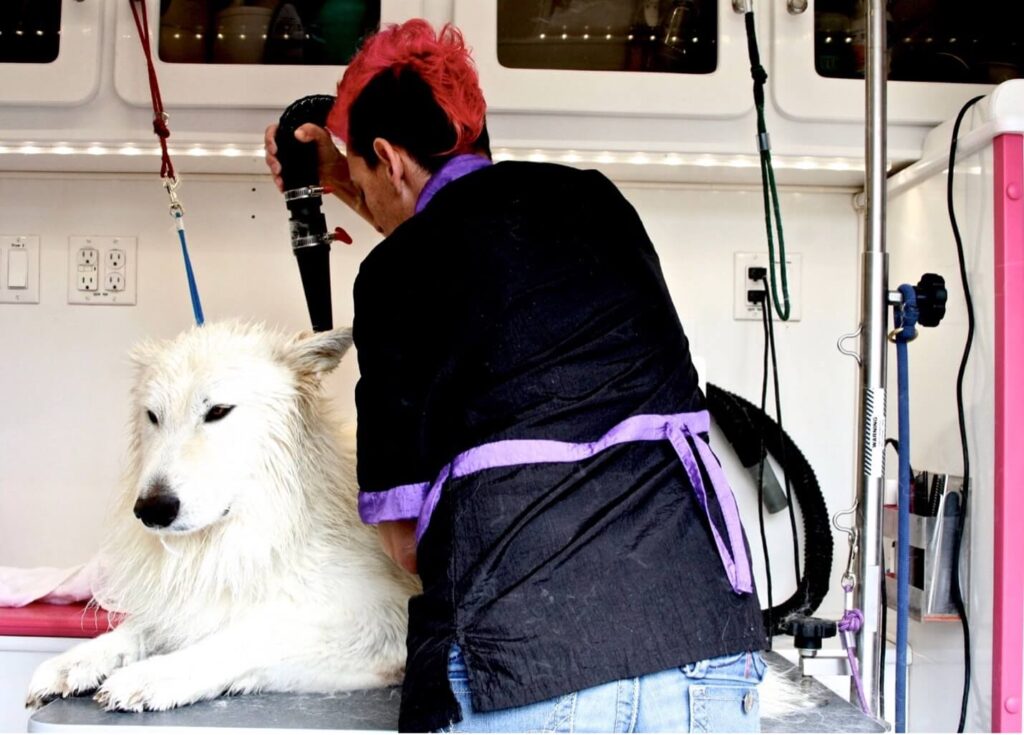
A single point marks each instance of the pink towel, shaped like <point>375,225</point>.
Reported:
<point>19,587</point>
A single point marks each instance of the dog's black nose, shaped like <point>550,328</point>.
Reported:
<point>157,511</point>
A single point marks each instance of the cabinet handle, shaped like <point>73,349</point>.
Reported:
<point>796,7</point>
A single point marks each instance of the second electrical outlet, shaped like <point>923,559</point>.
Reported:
<point>101,270</point>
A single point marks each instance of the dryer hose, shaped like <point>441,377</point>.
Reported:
<point>744,424</point>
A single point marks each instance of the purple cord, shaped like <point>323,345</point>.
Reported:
<point>852,622</point>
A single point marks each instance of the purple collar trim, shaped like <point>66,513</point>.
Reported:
<point>418,500</point>
<point>456,168</point>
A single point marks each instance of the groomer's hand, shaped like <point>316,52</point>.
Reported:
<point>334,173</point>
<point>399,541</point>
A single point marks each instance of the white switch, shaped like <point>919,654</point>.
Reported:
<point>17,268</point>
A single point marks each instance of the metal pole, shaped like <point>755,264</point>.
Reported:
<point>874,297</point>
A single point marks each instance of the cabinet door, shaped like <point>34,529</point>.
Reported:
<point>260,53</point>
<point>940,54</point>
<point>683,58</point>
<point>49,51</point>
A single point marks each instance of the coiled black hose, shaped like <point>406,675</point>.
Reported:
<point>745,426</point>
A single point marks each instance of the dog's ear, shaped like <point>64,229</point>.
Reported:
<point>318,353</point>
<point>143,353</point>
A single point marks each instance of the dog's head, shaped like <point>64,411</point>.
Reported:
<point>213,409</point>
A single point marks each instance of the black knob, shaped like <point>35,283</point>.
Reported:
<point>809,632</point>
<point>931,299</point>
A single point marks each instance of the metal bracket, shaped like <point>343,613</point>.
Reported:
<point>743,6</point>
<point>847,337</point>
<point>796,7</point>
<point>835,663</point>
<point>825,663</point>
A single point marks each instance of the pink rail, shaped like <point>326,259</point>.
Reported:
<point>1008,602</point>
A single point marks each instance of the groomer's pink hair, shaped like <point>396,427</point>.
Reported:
<point>441,59</point>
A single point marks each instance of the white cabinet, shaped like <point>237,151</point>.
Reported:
<point>50,51</point>
<point>682,58</point>
<point>226,53</point>
<point>940,55</point>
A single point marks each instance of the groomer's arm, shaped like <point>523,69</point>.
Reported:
<point>397,353</point>
<point>334,172</point>
<point>399,541</point>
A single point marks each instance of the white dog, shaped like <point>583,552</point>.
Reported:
<point>237,553</point>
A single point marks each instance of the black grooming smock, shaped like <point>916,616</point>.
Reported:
<point>526,302</point>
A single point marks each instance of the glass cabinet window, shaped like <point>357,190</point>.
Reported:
<point>673,36</point>
<point>29,31</point>
<point>978,42</point>
<point>310,32</point>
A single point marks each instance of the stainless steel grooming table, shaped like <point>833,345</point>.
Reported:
<point>789,703</point>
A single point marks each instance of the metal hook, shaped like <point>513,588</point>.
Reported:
<point>171,185</point>
<point>849,579</point>
<point>844,338</point>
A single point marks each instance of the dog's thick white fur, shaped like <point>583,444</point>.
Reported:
<point>266,580</point>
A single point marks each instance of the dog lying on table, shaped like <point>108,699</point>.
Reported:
<point>237,553</point>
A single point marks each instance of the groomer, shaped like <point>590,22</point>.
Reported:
<point>531,435</point>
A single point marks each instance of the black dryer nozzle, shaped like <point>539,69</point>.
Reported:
<point>311,242</point>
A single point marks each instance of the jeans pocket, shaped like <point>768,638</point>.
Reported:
<point>724,707</point>
<point>746,667</point>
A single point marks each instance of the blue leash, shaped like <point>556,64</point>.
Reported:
<point>193,290</point>
<point>178,212</point>
<point>905,320</point>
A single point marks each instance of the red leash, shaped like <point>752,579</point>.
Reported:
<point>159,116</point>
<point>167,175</point>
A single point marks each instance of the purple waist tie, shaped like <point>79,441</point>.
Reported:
<point>418,500</point>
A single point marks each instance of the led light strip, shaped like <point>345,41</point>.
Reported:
<point>633,158</point>
<point>31,148</point>
<point>699,160</point>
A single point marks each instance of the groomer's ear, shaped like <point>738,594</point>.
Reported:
<point>318,353</point>
<point>390,158</point>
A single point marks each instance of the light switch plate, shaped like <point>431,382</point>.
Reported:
<point>30,245</point>
<point>102,270</point>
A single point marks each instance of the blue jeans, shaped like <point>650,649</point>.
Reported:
<point>716,695</point>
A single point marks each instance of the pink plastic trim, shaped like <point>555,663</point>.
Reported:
<point>57,621</point>
<point>1008,602</point>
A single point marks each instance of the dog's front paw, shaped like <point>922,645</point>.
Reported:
<point>79,670</point>
<point>153,685</point>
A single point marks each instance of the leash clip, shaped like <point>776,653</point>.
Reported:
<point>171,185</point>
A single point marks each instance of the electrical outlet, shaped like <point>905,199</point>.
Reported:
<point>114,281</point>
<point>19,269</point>
<point>87,279</point>
<point>102,270</point>
<point>88,257</point>
<point>745,285</point>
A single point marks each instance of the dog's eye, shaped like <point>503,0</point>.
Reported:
<point>152,418</point>
<point>217,413</point>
